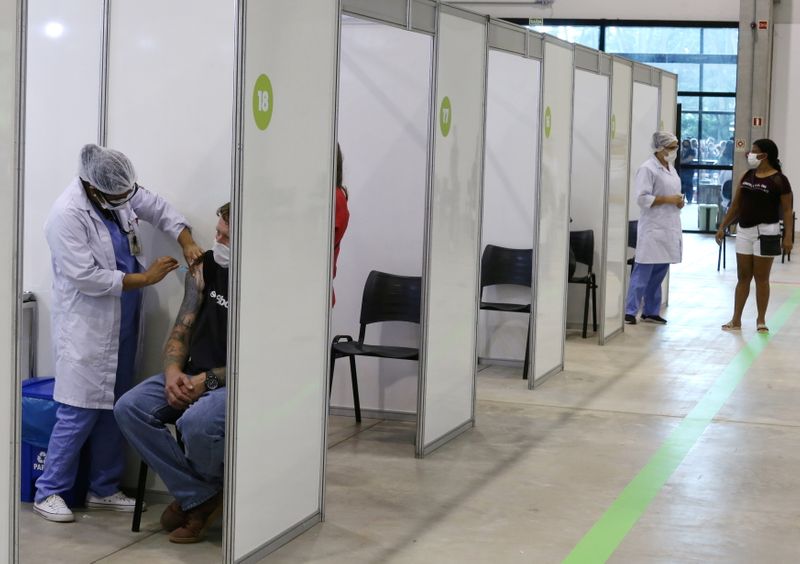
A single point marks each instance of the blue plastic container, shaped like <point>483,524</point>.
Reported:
<point>38,418</point>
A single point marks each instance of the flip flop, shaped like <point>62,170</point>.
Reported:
<point>761,328</point>
<point>729,326</point>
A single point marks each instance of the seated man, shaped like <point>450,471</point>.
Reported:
<point>191,394</point>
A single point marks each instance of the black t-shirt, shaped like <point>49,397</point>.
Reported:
<point>760,198</point>
<point>209,345</point>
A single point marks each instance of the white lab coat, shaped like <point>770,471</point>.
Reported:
<point>659,239</point>
<point>86,290</point>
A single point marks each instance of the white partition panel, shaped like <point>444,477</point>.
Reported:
<point>552,250</point>
<point>170,100</point>
<point>448,356</point>
<point>644,122</point>
<point>512,151</point>
<point>64,46</point>
<point>9,283</point>
<point>588,182</point>
<point>281,287</point>
<point>383,129</point>
<point>669,102</point>
<point>616,269</point>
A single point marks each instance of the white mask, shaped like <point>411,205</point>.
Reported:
<point>753,160</point>
<point>222,254</point>
<point>670,156</point>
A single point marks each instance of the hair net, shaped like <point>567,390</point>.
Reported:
<point>108,170</point>
<point>662,139</point>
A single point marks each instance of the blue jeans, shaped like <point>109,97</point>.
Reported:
<point>193,474</point>
<point>645,286</point>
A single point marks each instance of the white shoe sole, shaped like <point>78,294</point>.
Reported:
<point>107,507</point>
<point>55,517</point>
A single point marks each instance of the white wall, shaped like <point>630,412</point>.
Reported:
<point>712,10</point>
<point>588,185</point>
<point>784,110</point>
<point>646,112</point>
<point>8,285</point>
<point>170,101</point>
<point>509,196</point>
<point>64,47</point>
<point>384,100</point>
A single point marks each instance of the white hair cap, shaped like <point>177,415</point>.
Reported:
<point>108,170</point>
<point>662,140</point>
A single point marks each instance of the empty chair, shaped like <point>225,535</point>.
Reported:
<point>387,297</point>
<point>501,265</point>
<point>582,244</point>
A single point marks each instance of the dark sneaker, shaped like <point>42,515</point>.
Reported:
<point>173,517</point>
<point>630,319</point>
<point>654,319</point>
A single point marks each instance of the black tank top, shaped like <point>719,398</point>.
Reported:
<point>209,345</point>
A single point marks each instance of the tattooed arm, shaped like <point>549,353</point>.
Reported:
<point>178,387</point>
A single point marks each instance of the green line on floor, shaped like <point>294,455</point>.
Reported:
<point>608,532</point>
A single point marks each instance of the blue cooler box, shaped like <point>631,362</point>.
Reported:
<point>38,418</point>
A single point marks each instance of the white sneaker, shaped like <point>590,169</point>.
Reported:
<point>53,508</point>
<point>117,502</point>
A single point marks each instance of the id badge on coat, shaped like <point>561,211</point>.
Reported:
<point>133,243</point>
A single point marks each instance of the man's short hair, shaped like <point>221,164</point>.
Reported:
<point>225,213</point>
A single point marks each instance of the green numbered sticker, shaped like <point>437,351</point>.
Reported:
<point>548,122</point>
<point>445,116</point>
<point>613,126</point>
<point>262,102</point>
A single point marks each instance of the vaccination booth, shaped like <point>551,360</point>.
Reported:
<point>510,194</point>
<point>428,102</point>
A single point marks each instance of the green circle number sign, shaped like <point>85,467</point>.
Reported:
<point>262,102</point>
<point>548,122</point>
<point>445,116</point>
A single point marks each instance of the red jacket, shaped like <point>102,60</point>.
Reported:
<point>340,226</point>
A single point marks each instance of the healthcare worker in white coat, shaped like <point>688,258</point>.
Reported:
<point>99,268</point>
<point>659,238</point>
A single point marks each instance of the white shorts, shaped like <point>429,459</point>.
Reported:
<point>747,242</point>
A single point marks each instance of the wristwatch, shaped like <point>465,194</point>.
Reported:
<point>212,382</point>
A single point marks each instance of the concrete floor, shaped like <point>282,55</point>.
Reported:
<point>540,468</point>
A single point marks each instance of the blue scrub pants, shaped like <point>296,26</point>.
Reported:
<point>193,474</point>
<point>646,280</point>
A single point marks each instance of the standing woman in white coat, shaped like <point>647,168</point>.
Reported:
<point>659,238</point>
<point>98,272</point>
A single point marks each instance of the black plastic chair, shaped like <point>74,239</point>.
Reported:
<point>582,244</point>
<point>140,488</point>
<point>633,235</point>
<point>387,297</point>
<point>501,265</point>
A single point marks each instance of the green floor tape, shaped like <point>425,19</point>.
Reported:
<point>608,532</point>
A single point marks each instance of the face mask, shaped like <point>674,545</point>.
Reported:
<point>222,254</point>
<point>753,160</point>
<point>107,204</point>
<point>671,156</point>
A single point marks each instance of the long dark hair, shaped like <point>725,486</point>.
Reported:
<point>339,173</point>
<point>769,147</point>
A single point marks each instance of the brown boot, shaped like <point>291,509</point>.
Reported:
<point>198,520</point>
<point>173,516</point>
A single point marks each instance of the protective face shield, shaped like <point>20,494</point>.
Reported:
<point>222,254</point>
<point>110,203</point>
<point>752,160</point>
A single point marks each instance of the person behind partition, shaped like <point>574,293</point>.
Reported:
<point>98,266</point>
<point>190,393</point>
<point>659,239</point>
<point>688,156</point>
<point>342,215</point>
<point>763,192</point>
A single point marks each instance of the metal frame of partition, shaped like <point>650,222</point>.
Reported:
<point>532,381</point>
<point>625,279</point>
<point>600,64</point>
<point>421,448</point>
